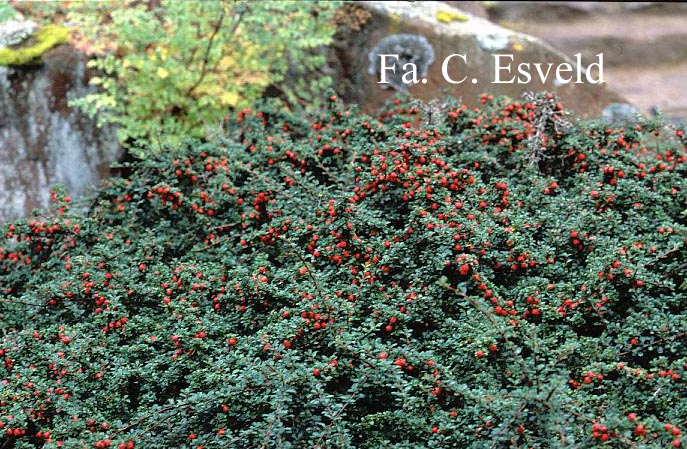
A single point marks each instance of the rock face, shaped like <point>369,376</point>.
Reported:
<point>44,142</point>
<point>451,31</point>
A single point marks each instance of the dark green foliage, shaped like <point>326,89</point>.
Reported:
<point>499,277</point>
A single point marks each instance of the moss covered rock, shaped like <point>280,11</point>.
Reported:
<point>31,49</point>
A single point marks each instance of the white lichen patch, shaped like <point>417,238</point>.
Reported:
<point>14,32</point>
<point>493,42</point>
<point>406,48</point>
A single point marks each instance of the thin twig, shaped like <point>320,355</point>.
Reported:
<point>206,56</point>
<point>16,301</point>
<point>663,256</point>
<point>296,251</point>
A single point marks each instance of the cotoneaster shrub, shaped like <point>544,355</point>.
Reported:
<point>496,277</point>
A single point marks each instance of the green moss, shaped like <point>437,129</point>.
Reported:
<point>46,38</point>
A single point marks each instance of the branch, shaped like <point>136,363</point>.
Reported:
<point>17,301</point>
<point>663,256</point>
<point>175,409</point>
<point>296,252</point>
<point>206,57</point>
<point>338,414</point>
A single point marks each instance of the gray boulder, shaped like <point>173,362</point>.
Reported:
<point>356,60</point>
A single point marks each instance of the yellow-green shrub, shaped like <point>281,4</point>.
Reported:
<point>171,69</point>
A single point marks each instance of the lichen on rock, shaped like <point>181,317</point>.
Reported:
<point>493,41</point>
<point>14,32</point>
<point>29,49</point>
<point>451,16</point>
<point>410,48</point>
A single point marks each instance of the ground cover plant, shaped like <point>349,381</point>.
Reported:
<point>504,276</point>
